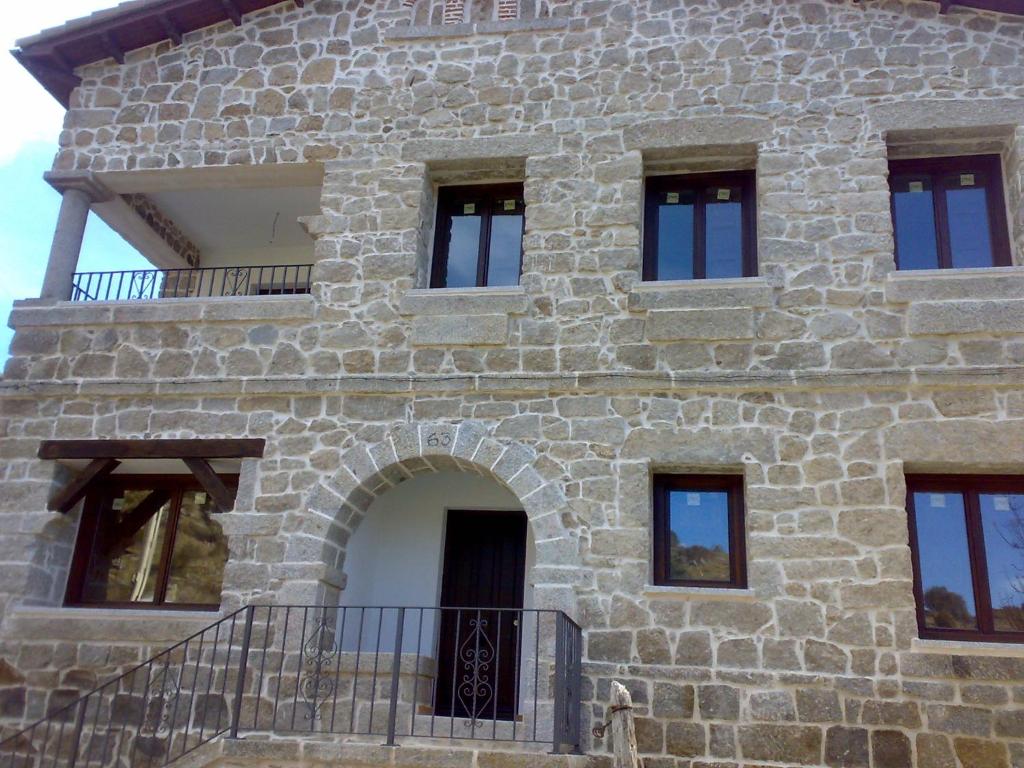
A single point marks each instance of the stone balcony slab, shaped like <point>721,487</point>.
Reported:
<point>459,330</point>
<point>952,318</point>
<point>702,324</point>
<point>464,301</point>
<point>220,309</point>
<point>954,284</point>
<point>701,294</point>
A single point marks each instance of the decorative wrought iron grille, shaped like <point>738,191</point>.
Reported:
<point>148,284</point>
<point>454,673</point>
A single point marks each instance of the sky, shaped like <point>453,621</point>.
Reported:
<point>28,206</point>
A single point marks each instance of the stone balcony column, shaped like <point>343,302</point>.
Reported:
<point>80,189</point>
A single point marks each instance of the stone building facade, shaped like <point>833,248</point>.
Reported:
<point>824,380</point>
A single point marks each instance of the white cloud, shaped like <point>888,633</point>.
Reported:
<point>39,116</point>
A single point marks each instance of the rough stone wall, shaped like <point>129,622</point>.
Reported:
<point>823,380</point>
<point>165,228</point>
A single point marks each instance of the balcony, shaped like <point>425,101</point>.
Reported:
<point>370,673</point>
<point>210,282</point>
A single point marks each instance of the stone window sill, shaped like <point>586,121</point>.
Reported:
<point>701,310</point>
<point>510,300</point>
<point>962,648</point>
<point>107,624</point>
<point>461,317</point>
<point>701,294</point>
<point>481,28</point>
<point>954,284</point>
<point>180,310</point>
<point>655,592</point>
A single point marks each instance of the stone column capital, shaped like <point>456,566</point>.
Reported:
<point>82,181</point>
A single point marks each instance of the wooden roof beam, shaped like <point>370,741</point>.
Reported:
<point>173,33</point>
<point>65,500</point>
<point>218,448</point>
<point>111,47</point>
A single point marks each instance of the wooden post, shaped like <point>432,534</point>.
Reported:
<point>624,749</point>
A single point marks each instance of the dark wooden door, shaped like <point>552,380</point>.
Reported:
<point>478,649</point>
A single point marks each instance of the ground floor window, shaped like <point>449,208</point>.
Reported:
<point>148,541</point>
<point>698,531</point>
<point>967,541</point>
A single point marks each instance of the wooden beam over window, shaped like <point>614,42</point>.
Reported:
<point>74,491</point>
<point>212,484</point>
<point>152,449</point>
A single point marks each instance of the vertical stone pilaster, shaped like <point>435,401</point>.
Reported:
<point>1015,194</point>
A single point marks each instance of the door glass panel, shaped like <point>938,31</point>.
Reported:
<point>914,208</point>
<point>124,564</point>
<point>463,248</point>
<point>675,236</point>
<point>200,552</point>
<point>945,561</point>
<point>724,232</point>
<point>506,249</point>
<point>970,241</point>
<point>699,536</point>
<point>1002,520</point>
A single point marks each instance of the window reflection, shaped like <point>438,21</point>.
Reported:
<point>1002,516</point>
<point>699,536</point>
<point>970,242</point>
<point>503,264</point>
<point>463,250</point>
<point>915,223</point>
<point>675,237</point>
<point>196,571</point>
<point>944,559</point>
<point>724,232</point>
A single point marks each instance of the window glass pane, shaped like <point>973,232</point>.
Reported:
<point>914,209</point>
<point>124,564</point>
<point>945,562</point>
<point>675,236</point>
<point>506,249</point>
<point>464,248</point>
<point>200,552</point>
<point>970,241</point>
<point>699,536</point>
<point>724,232</point>
<point>1002,520</point>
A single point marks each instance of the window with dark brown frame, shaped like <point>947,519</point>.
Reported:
<point>967,545</point>
<point>949,212</point>
<point>700,226</point>
<point>149,541</point>
<point>699,538</point>
<point>478,239</point>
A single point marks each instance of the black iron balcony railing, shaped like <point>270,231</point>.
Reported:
<point>388,672</point>
<point>206,282</point>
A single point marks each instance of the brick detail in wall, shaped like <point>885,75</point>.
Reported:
<point>508,10</point>
<point>454,11</point>
<point>166,229</point>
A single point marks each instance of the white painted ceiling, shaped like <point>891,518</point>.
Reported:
<point>227,219</point>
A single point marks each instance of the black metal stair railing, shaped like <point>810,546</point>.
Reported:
<point>379,672</point>
<point>203,282</point>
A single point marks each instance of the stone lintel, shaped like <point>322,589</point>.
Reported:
<point>464,301</point>
<point>459,330</point>
<point>701,131</point>
<point>957,445</point>
<point>719,323</point>
<point>445,150</point>
<point>701,294</point>
<point>83,181</point>
<point>944,114</point>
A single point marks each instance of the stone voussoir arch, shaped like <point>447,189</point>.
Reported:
<point>335,508</point>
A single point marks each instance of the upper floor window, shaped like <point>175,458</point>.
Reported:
<point>479,236</point>
<point>949,212</point>
<point>700,226</point>
<point>698,531</point>
<point>967,542</point>
<point>148,541</point>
